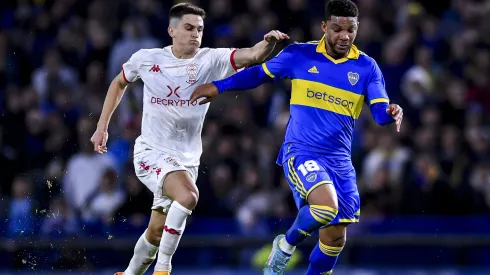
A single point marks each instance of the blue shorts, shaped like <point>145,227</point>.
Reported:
<point>304,174</point>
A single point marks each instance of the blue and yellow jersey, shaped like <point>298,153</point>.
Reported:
<point>327,96</point>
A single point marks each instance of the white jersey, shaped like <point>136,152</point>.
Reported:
<point>170,123</point>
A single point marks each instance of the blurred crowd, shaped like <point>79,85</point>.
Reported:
<point>57,58</point>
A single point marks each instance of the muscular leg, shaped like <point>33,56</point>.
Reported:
<point>147,246</point>
<point>320,211</point>
<point>325,254</point>
<point>316,196</point>
<point>178,186</point>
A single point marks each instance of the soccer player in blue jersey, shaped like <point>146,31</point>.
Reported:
<point>331,80</point>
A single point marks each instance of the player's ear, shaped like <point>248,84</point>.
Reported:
<point>171,32</point>
<point>324,26</point>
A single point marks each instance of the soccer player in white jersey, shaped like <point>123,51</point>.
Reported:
<point>166,155</point>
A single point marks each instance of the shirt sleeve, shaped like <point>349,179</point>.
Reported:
<point>131,69</point>
<point>280,65</point>
<point>224,62</point>
<point>376,91</point>
<point>377,98</point>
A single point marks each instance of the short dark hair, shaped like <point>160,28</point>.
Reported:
<point>344,8</point>
<point>181,9</point>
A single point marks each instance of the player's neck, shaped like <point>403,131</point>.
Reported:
<point>181,54</point>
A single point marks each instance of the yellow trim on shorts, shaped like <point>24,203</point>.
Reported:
<point>354,220</point>
<point>294,181</point>
<point>299,183</point>
<point>316,185</point>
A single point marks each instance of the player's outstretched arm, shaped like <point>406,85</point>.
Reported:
<point>112,99</point>
<point>247,79</point>
<point>257,54</point>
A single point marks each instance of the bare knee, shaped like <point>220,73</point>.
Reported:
<point>180,187</point>
<point>335,235</point>
<point>336,241</point>
<point>187,199</point>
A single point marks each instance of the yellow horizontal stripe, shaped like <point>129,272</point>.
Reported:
<point>324,207</point>
<point>319,218</point>
<point>266,70</point>
<point>324,250</point>
<point>316,185</point>
<point>329,253</point>
<point>324,212</point>
<point>322,96</point>
<point>331,248</point>
<point>325,216</point>
<point>378,100</point>
<point>349,220</point>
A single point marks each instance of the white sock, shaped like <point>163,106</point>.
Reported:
<point>173,230</point>
<point>286,247</point>
<point>144,255</point>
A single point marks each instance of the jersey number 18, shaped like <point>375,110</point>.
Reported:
<point>308,166</point>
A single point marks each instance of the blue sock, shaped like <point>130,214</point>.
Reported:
<point>310,218</point>
<point>323,259</point>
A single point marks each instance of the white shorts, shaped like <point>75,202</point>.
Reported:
<point>151,167</point>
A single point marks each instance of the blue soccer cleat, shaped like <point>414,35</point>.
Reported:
<point>278,259</point>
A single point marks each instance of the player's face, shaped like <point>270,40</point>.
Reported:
<point>340,34</point>
<point>188,31</point>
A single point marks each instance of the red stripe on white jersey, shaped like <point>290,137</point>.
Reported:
<point>232,60</point>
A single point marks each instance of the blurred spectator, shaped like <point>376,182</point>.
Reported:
<point>60,221</point>
<point>21,220</point>
<point>104,201</point>
<point>134,37</point>
<point>52,74</point>
<point>77,188</point>
<point>387,156</point>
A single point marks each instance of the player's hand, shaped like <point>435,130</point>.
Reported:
<point>396,112</point>
<point>99,140</point>
<point>207,91</point>
<point>275,36</point>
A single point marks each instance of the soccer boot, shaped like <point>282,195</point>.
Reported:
<point>161,273</point>
<point>278,259</point>
<point>119,273</point>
